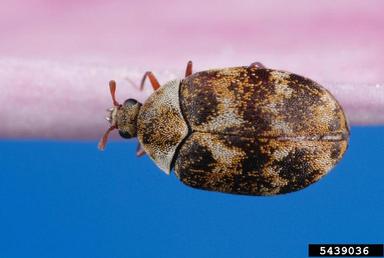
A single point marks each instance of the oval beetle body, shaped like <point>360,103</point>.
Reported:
<point>243,130</point>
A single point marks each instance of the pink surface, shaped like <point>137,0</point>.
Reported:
<point>56,57</point>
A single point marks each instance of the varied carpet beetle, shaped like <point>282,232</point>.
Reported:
<point>242,130</point>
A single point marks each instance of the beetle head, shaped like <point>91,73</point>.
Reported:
<point>121,117</point>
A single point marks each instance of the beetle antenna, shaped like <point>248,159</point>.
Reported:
<point>104,139</point>
<point>112,89</point>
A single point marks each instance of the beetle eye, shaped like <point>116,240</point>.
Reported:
<point>125,135</point>
<point>130,102</point>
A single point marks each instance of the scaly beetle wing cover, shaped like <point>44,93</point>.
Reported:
<point>258,131</point>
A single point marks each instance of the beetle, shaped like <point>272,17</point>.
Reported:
<point>243,130</point>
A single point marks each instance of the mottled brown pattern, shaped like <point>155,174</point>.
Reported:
<point>258,131</point>
<point>244,130</point>
<point>254,166</point>
<point>262,102</point>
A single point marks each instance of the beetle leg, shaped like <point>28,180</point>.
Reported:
<point>154,82</point>
<point>188,70</point>
<point>257,65</point>
<point>139,150</point>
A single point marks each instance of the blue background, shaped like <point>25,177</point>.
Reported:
<point>67,199</point>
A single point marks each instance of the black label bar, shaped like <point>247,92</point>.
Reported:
<point>346,250</point>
